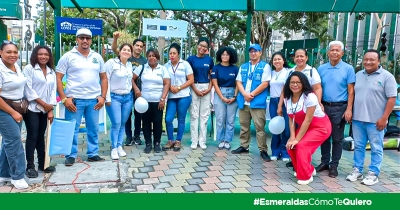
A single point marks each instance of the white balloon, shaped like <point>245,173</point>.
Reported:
<point>277,125</point>
<point>141,105</point>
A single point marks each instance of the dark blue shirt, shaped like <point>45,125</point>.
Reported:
<point>225,75</point>
<point>201,68</point>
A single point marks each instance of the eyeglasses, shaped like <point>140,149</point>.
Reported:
<point>84,37</point>
<point>9,42</point>
<point>295,83</point>
<point>203,46</point>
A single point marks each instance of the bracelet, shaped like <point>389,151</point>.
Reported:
<point>103,97</point>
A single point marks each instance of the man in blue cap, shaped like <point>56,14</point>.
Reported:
<point>252,81</point>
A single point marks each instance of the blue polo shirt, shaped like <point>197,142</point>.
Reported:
<point>334,81</point>
<point>201,67</point>
<point>225,75</point>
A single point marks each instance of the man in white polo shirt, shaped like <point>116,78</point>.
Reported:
<point>84,94</point>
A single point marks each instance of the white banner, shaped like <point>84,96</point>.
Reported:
<point>168,28</point>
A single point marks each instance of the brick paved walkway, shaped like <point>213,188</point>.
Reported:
<point>209,170</point>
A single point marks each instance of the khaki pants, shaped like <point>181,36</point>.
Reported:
<point>258,116</point>
<point>200,110</point>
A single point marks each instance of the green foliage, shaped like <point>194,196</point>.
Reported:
<point>113,20</point>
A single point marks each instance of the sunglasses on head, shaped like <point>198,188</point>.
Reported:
<point>84,37</point>
<point>9,42</point>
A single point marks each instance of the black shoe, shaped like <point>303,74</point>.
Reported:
<point>157,147</point>
<point>333,172</point>
<point>137,140</point>
<point>95,159</point>
<point>69,161</point>
<point>264,155</point>
<point>240,150</point>
<point>322,167</point>
<point>49,169</point>
<point>148,149</point>
<point>289,164</point>
<point>31,173</point>
<point>128,141</point>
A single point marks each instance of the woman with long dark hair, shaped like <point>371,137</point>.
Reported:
<point>279,75</point>
<point>314,127</point>
<point>119,97</point>
<point>40,91</point>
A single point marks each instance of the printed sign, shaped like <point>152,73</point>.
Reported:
<point>168,28</point>
<point>68,25</point>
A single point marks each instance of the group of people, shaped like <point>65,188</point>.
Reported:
<point>316,104</point>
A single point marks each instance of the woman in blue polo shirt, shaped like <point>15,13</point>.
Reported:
<point>224,81</point>
<point>201,97</point>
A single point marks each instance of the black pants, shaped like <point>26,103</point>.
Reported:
<point>335,114</point>
<point>152,120</point>
<point>138,123</point>
<point>36,124</point>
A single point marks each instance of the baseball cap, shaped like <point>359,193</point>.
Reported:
<point>256,47</point>
<point>84,31</point>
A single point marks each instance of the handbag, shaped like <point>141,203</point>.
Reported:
<point>139,80</point>
<point>21,105</point>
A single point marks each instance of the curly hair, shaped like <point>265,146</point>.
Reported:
<point>285,64</point>
<point>306,87</point>
<point>231,52</point>
<point>35,56</point>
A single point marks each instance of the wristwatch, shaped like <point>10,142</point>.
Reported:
<point>161,99</point>
<point>234,96</point>
<point>179,87</point>
<point>63,100</point>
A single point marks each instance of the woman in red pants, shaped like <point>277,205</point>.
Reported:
<point>304,109</point>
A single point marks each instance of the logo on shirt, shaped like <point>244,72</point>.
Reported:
<point>232,74</point>
<point>135,64</point>
<point>94,60</point>
<point>206,65</point>
<point>212,73</point>
<point>379,83</point>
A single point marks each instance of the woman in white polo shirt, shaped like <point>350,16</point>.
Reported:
<point>12,83</point>
<point>119,97</point>
<point>179,97</point>
<point>40,91</point>
<point>155,85</point>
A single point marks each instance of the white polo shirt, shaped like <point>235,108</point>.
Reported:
<point>178,76</point>
<point>83,81</point>
<point>315,79</point>
<point>303,103</point>
<point>119,77</point>
<point>278,80</point>
<point>38,86</point>
<point>12,83</point>
<point>152,81</point>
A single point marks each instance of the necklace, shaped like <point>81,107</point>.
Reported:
<point>293,110</point>
<point>277,74</point>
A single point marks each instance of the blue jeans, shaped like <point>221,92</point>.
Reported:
<point>225,114</point>
<point>85,107</point>
<point>362,132</point>
<point>118,111</point>
<point>178,106</point>
<point>12,156</point>
<point>278,142</point>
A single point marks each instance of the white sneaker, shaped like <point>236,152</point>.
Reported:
<point>193,145</point>
<point>5,179</point>
<point>203,145</point>
<point>285,159</point>
<point>313,173</point>
<point>121,152</point>
<point>274,158</point>
<point>305,182</point>
<point>221,145</point>
<point>20,184</point>
<point>370,179</point>
<point>355,174</point>
<point>114,154</point>
<point>227,145</point>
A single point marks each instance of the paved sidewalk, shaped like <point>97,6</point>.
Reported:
<point>209,170</point>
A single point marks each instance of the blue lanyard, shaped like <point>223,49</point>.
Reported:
<point>252,71</point>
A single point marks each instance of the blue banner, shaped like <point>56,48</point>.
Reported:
<point>68,25</point>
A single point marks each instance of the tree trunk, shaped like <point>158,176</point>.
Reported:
<point>379,29</point>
